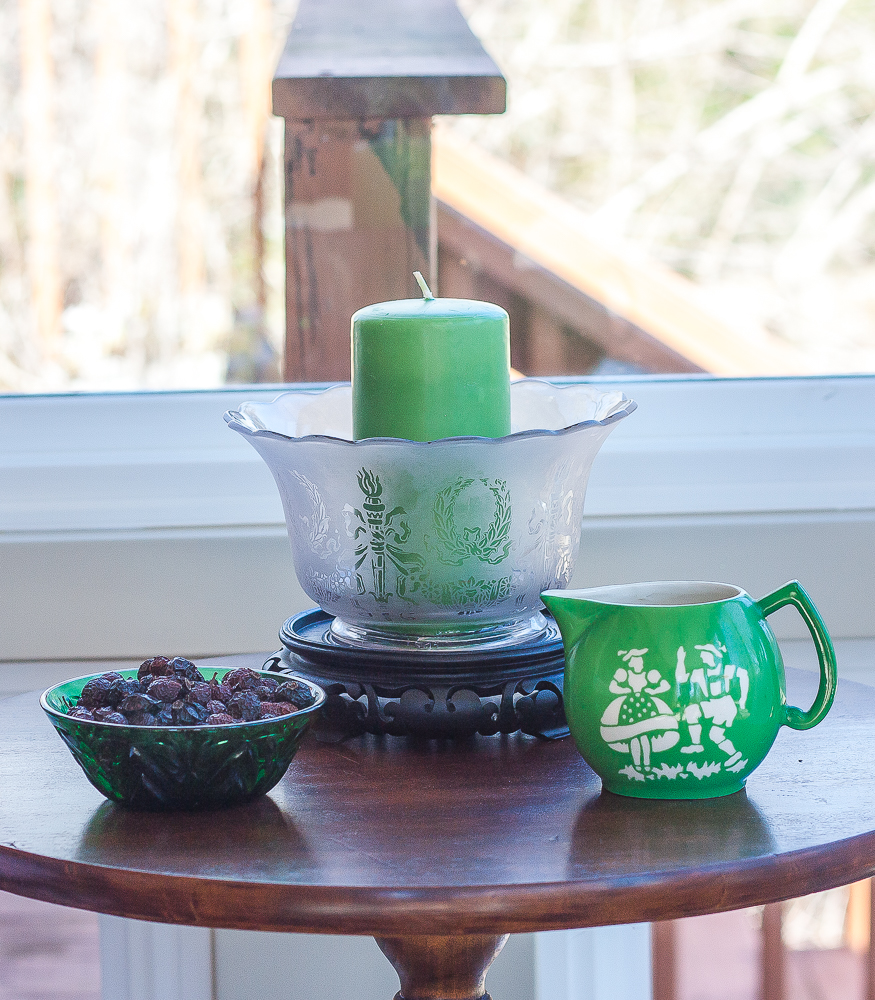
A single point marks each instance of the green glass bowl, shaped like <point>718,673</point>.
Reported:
<point>179,767</point>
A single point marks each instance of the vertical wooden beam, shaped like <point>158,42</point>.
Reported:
<point>518,309</point>
<point>545,347</point>
<point>358,202</point>
<point>109,80</point>
<point>255,81</point>
<point>37,90</point>
<point>664,959</point>
<point>857,927</point>
<point>456,275</point>
<point>773,956</point>
<point>870,954</point>
<point>181,19</point>
<point>357,85</point>
<point>554,349</point>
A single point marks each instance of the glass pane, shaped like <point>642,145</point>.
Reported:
<point>732,144</point>
<point>716,160</point>
<point>140,204</point>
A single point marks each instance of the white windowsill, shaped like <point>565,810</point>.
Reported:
<point>137,521</point>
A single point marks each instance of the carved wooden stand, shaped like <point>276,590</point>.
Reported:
<point>431,967</point>
<point>430,694</point>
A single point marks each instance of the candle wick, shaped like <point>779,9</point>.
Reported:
<point>426,291</point>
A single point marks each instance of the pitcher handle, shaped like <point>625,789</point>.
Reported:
<point>794,593</point>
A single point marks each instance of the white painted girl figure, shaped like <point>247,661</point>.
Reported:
<point>638,722</point>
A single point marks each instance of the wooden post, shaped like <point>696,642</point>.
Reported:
<point>870,952</point>
<point>857,927</point>
<point>773,957</point>
<point>37,92</point>
<point>357,85</point>
<point>255,57</point>
<point>664,959</point>
<point>109,74</point>
<point>181,17</point>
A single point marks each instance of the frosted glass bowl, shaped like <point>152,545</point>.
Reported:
<point>433,544</point>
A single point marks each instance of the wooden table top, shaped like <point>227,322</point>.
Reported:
<point>494,836</point>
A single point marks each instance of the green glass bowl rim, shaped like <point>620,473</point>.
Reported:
<point>131,672</point>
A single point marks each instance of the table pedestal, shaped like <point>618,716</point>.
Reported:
<point>433,967</point>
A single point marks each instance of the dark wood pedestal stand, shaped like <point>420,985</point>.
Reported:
<point>440,849</point>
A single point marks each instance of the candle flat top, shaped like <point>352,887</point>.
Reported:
<point>412,308</point>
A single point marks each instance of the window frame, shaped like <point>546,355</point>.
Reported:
<point>126,518</point>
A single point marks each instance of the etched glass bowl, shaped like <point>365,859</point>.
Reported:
<point>433,544</point>
<point>179,767</point>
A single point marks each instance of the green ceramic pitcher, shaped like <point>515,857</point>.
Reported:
<point>676,690</point>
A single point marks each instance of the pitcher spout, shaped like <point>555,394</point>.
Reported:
<point>574,614</point>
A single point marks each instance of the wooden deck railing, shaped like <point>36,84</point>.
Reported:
<point>773,978</point>
<point>572,295</point>
<point>357,86</point>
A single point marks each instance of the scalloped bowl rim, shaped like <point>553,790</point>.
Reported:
<point>237,727</point>
<point>239,422</point>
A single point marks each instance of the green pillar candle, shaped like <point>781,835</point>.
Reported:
<point>429,368</point>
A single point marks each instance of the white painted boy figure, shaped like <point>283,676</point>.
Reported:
<point>638,722</point>
<point>710,696</point>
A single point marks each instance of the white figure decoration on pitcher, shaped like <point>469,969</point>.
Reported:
<point>710,694</point>
<point>637,721</point>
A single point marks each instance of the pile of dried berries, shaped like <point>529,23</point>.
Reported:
<point>175,693</point>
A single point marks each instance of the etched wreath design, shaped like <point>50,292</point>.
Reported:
<point>490,545</point>
<point>318,526</point>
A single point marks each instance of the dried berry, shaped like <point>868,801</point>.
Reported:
<point>164,689</point>
<point>242,679</point>
<point>200,692</point>
<point>141,719</point>
<point>120,689</point>
<point>189,713</point>
<point>221,692</point>
<point>220,719</point>
<point>183,669</point>
<point>245,705</point>
<point>272,709</point>
<point>295,693</point>
<point>174,693</point>
<point>157,666</point>
<point>139,703</point>
<point>95,694</point>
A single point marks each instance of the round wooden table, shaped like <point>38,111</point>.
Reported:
<point>440,850</point>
